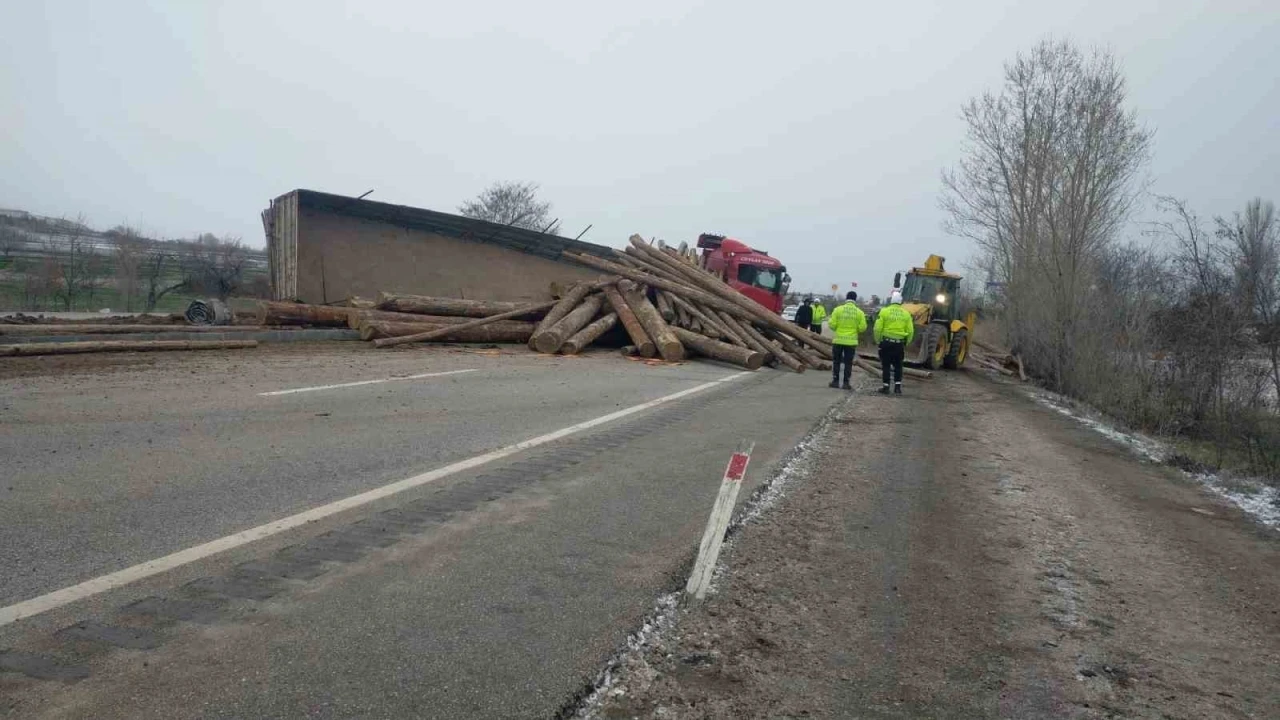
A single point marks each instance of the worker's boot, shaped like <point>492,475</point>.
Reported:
<point>897,388</point>
<point>884,390</point>
<point>834,383</point>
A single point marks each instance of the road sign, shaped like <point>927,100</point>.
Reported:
<point>835,288</point>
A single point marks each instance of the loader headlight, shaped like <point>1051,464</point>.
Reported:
<point>942,299</point>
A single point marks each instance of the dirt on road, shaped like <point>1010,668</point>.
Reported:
<point>961,552</point>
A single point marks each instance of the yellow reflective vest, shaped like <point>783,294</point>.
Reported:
<point>847,323</point>
<point>894,323</point>
<point>819,314</point>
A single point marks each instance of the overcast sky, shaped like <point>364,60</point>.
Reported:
<point>815,131</point>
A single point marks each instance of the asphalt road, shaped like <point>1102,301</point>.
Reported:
<point>496,591</point>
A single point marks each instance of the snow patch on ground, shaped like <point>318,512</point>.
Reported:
<point>656,623</point>
<point>1254,497</point>
<point>1146,447</point>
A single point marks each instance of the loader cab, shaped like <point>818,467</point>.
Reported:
<point>937,292</point>
<point>930,292</point>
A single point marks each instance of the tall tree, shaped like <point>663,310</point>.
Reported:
<point>129,249</point>
<point>1253,240</point>
<point>76,268</point>
<point>511,203</point>
<point>1050,173</point>
<point>219,264</point>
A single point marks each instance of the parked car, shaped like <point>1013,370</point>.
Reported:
<point>789,313</point>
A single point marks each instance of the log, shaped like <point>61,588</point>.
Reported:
<point>722,351</point>
<point>1022,374</point>
<point>505,331</point>
<point>989,348</point>
<point>568,302</point>
<point>87,329</point>
<point>631,258</point>
<point>664,306</point>
<point>873,371</point>
<point>644,346</point>
<point>458,307</point>
<point>549,340</point>
<point>683,290</point>
<point>993,365</point>
<point>96,346</point>
<point>666,341</point>
<point>588,334</point>
<point>906,371</point>
<point>778,350</point>
<point>447,330</point>
<point>286,313</point>
<point>733,331</point>
<point>738,328</point>
<point>683,318</point>
<point>360,317</point>
<point>710,325</point>
<point>705,281</point>
<point>807,355</point>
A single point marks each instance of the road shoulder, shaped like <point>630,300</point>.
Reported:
<point>964,553</point>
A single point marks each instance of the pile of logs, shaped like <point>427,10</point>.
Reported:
<point>1001,361</point>
<point>668,308</point>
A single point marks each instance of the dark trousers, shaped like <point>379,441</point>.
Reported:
<point>816,329</point>
<point>891,355</point>
<point>842,355</point>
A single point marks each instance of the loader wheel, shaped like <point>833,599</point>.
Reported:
<point>934,346</point>
<point>958,351</point>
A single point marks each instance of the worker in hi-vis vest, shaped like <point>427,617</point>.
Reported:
<point>819,314</point>
<point>893,332</point>
<point>847,323</point>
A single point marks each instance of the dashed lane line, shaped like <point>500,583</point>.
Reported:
<point>419,376</point>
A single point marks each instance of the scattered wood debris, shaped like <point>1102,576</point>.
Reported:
<point>998,359</point>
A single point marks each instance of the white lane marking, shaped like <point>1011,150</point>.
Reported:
<point>364,382</point>
<point>120,578</point>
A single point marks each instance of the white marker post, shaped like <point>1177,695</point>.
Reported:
<point>721,512</point>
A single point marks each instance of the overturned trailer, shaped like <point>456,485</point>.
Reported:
<point>323,248</point>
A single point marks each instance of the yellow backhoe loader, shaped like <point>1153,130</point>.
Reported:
<point>930,294</point>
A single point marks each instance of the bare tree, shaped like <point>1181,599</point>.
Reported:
<point>1050,174</point>
<point>219,264</point>
<point>39,282</point>
<point>163,270</point>
<point>77,269</point>
<point>129,251</point>
<point>10,241</point>
<point>1253,239</point>
<point>511,203</point>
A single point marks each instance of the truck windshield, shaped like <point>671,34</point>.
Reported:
<point>768,278</point>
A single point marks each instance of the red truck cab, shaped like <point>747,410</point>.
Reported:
<point>749,271</point>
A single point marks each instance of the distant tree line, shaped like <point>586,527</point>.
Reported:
<point>1172,326</point>
<point>63,265</point>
